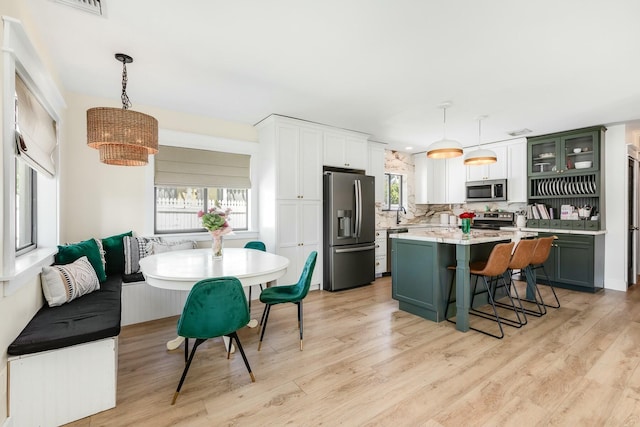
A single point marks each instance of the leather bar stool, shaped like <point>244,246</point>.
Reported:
<point>540,256</point>
<point>520,260</point>
<point>493,269</point>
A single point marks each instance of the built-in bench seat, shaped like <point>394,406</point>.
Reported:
<point>63,366</point>
<point>90,318</point>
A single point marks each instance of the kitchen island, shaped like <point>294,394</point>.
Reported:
<point>420,277</point>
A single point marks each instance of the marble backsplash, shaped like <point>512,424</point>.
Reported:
<point>401,163</point>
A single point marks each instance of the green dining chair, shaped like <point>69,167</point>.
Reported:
<point>290,293</point>
<point>259,246</point>
<point>214,308</point>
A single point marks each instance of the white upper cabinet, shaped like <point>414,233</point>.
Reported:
<point>299,171</point>
<point>517,174</point>
<point>496,170</point>
<point>345,150</point>
<point>421,179</point>
<point>438,181</point>
<point>456,173</point>
<point>376,168</point>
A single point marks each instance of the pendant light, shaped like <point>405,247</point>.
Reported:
<point>480,156</point>
<point>444,148</point>
<point>124,137</point>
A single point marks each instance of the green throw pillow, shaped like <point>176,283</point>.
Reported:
<point>114,255</point>
<point>89,248</point>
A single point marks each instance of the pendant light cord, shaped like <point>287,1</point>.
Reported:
<point>444,122</point>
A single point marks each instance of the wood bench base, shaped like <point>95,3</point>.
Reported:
<point>56,387</point>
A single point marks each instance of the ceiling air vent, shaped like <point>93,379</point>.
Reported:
<point>520,132</point>
<point>91,6</point>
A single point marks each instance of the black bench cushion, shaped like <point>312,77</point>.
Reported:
<point>89,318</point>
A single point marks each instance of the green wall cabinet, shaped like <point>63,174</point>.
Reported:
<point>576,262</point>
<point>554,154</point>
<point>566,168</point>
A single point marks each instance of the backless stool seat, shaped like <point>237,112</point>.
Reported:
<point>540,256</point>
<point>493,269</point>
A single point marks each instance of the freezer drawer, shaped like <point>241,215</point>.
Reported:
<point>349,266</point>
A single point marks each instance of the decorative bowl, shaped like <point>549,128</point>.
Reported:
<point>583,165</point>
<point>577,150</point>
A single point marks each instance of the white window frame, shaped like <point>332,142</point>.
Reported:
<point>386,203</point>
<point>20,56</point>
<point>213,143</point>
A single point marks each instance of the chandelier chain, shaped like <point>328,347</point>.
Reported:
<point>126,103</point>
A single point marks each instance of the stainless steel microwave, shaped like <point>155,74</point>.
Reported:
<point>494,190</point>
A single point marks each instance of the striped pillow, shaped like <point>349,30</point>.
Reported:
<point>136,248</point>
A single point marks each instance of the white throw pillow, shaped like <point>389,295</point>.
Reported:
<point>63,283</point>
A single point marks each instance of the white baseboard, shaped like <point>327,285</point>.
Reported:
<point>7,423</point>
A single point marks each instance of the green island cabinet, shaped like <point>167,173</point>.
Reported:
<point>576,262</point>
<point>420,278</point>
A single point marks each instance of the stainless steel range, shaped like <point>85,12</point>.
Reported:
<point>493,220</point>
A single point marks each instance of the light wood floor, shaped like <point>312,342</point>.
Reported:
<point>367,363</point>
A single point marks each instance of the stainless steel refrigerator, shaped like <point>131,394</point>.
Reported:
<point>349,230</point>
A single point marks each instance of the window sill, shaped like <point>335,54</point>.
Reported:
<point>27,267</point>
<point>199,237</point>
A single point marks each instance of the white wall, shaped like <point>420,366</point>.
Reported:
<point>18,308</point>
<point>615,164</point>
<point>101,200</point>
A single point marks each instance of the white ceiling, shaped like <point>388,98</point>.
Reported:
<point>377,66</point>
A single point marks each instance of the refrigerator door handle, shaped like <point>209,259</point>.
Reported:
<point>364,248</point>
<point>358,208</point>
<point>356,224</point>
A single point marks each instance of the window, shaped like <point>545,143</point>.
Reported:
<point>176,208</point>
<point>189,180</point>
<point>393,194</point>
<point>25,207</point>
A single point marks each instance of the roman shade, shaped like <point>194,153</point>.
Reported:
<point>35,131</point>
<point>176,166</point>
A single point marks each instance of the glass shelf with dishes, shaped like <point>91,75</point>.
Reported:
<point>572,153</point>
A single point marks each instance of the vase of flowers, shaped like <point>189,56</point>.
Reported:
<point>466,218</point>
<point>217,222</point>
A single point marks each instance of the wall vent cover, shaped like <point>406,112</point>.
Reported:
<point>95,7</point>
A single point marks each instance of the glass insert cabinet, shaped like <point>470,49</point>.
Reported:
<point>575,153</point>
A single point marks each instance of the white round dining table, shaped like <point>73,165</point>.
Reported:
<point>180,270</point>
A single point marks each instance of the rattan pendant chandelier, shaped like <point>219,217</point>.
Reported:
<point>124,137</point>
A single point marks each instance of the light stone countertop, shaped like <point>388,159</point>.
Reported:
<point>456,237</point>
<point>557,230</point>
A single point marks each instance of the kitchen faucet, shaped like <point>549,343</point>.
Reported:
<point>400,208</point>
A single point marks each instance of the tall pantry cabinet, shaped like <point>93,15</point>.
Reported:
<point>290,192</point>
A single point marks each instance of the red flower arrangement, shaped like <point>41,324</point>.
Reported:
<point>467,215</point>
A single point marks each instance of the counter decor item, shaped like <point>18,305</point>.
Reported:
<point>215,220</point>
<point>466,218</point>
